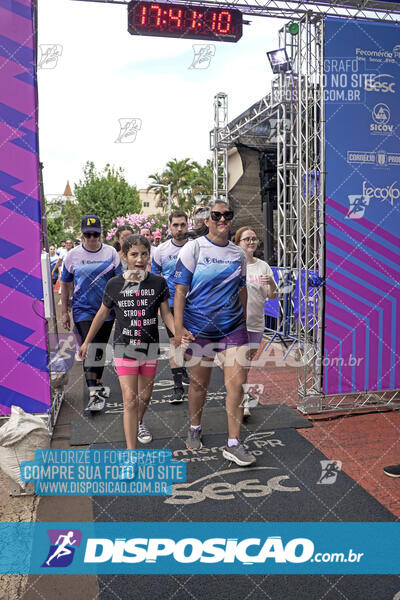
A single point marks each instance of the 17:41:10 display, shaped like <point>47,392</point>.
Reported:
<point>184,21</point>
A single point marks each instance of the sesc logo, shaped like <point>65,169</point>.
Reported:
<point>381,117</point>
<point>191,550</point>
<point>382,82</point>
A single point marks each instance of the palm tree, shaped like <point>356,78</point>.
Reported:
<point>160,192</point>
<point>187,178</point>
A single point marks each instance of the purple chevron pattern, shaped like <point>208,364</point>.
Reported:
<point>24,379</point>
<point>362,301</point>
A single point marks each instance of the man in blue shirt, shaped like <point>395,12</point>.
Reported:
<point>87,268</point>
<point>164,263</point>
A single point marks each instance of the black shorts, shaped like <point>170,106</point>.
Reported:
<point>170,334</point>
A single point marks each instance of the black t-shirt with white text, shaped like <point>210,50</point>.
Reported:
<point>136,308</point>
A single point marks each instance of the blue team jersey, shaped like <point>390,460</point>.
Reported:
<point>214,275</point>
<point>90,272</point>
<point>164,263</point>
<point>53,262</point>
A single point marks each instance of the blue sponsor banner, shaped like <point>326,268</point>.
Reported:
<point>362,112</point>
<point>201,548</point>
<point>102,472</point>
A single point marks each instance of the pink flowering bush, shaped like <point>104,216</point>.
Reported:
<point>137,222</point>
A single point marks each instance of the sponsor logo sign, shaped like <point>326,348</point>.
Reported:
<point>377,158</point>
<point>381,120</point>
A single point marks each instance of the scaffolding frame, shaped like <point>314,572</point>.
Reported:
<point>289,9</point>
<point>296,101</point>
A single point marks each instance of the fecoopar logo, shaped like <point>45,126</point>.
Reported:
<point>389,192</point>
<point>190,550</point>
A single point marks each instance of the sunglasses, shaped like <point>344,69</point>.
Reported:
<point>217,216</point>
<point>89,234</point>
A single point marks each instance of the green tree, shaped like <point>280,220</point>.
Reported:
<point>55,222</point>
<point>187,178</point>
<point>105,193</point>
<point>160,192</point>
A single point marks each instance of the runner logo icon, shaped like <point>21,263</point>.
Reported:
<point>357,206</point>
<point>62,547</point>
<point>330,470</point>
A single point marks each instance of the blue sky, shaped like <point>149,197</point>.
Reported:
<point>105,74</point>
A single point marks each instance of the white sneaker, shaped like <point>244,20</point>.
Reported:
<point>144,435</point>
<point>105,391</point>
<point>96,400</point>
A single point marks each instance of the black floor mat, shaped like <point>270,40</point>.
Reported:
<point>282,487</point>
<point>173,422</point>
<point>165,420</point>
<point>285,459</point>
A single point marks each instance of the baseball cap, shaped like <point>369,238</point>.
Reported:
<point>90,223</point>
<point>157,234</point>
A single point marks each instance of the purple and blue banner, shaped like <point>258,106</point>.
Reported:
<point>24,378</point>
<point>362,308</point>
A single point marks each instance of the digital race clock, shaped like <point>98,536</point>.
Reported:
<point>184,21</point>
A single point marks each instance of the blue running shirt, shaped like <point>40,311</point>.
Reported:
<point>214,275</point>
<point>90,272</point>
<point>164,263</point>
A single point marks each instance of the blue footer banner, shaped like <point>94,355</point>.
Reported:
<point>200,548</point>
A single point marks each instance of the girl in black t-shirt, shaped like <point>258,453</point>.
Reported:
<point>135,296</point>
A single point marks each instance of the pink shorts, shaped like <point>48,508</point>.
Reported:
<point>128,366</point>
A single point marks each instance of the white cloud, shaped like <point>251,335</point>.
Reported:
<point>105,74</point>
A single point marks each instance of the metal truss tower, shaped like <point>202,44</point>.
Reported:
<point>220,147</point>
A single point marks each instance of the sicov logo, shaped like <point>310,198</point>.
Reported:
<point>380,82</point>
<point>381,117</point>
<point>62,547</point>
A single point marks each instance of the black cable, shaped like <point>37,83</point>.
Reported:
<point>33,308</point>
<point>352,414</point>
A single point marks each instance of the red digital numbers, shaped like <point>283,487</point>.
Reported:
<point>181,20</point>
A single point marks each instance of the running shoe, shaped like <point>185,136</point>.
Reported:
<point>105,391</point>
<point>96,401</point>
<point>185,376</point>
<point>177,396</point>
<point>392,471</point>
<point>239,455</point>
<point>144,436</point>
<point>193,440</point>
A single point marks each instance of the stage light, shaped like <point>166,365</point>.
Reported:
<point>293,28</point>
<point>279,61</point>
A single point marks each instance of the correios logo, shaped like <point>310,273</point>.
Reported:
<point>191,550</point>
<point>380,82</point>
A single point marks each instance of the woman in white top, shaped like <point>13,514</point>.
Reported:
<point>260,285</point>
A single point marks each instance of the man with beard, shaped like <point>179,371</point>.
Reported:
<point>164,263</point>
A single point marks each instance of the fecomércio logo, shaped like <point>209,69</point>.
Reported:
<point>63,543</point>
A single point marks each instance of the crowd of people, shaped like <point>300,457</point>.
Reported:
<point>209,288</point>
<point>196,281</point>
